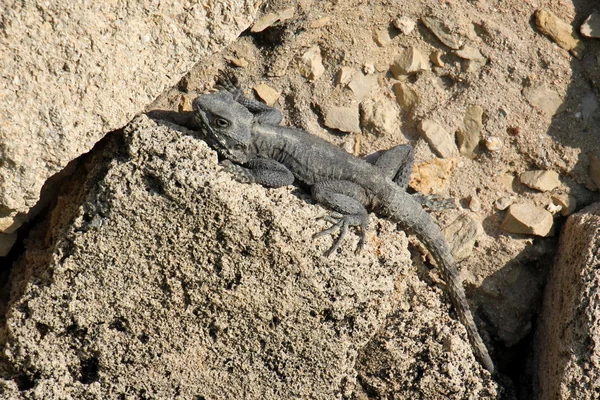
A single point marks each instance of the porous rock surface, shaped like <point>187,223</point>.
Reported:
<point>568,337</point>
<point>158,276</point>
<point>73,71</point>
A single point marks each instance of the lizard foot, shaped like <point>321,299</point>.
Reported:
<point>228,81</point>
<point>238,172</point>
<point>341,222</point>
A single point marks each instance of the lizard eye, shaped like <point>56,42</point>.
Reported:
<point>222,122</point>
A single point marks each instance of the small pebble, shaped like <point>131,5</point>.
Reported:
<point>493,143</point>
<point>504,202</point>
<point>404,25</point>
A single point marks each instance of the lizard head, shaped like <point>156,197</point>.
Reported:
<point>225,124</point>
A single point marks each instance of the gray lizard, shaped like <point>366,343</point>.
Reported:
<point>247,134</point>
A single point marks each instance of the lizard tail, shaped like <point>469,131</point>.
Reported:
<point>421,224</point>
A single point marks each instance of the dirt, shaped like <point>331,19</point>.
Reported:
<point>505,273</point>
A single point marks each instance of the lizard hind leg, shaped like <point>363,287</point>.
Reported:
<point>347,199</point>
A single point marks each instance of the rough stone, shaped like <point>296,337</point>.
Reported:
<point>442,32</point>
<point>345,119</point>
<point>504,202</point>
<point>267,94</point>
<point>542,180</point>
<point>410,61</point>
<point>7,241</point>
<point>431,177</point>
<point>461,235</point>
<point>406,96</point>
<point>493,143</point>
<point>567,203</point>
<point>382,37</point>
<point>528,219</point>
<point>311,64</point>
<point>344,75</point>
<point>436,58</point>
<point>362,85</point>
<point>97,66</point>
<point>474,203</point>
<point>404,24</point>
<point>269,19</point>
<point>163,277</point>
<point>474,60</point>
<point>567,337</point>
<point>379,116</point>
<point>544,98</point>
<point>595,170</point>
<point>319,23</point>
<point>559,31</point>
<point>591,26</point>
<point>469,135</point>
<point>438,138</point>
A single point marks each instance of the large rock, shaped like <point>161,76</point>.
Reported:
<point>158,276</point>
<point>568,337</point>
<point>72,71</point>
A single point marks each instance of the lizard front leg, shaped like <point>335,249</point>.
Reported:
<point>347,199</point>
<point>263,171</point>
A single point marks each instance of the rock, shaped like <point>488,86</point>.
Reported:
<point>559,31</point>
<point>406,96</point>
<point>368,68</point>
<point>381,37</point>
<point>461,235</point>
<point>264,22</point>
<point>432,176</point>
<point>436,59</point>
<point>544,98</point>
<point>319,23</point>
<point>344,75</point>
<point>469,135</point>
<point>595,170</point>
<point>239,62</point>
<point>589,105</point>
<point>165,278</point>
<point>362,85</point>
<point>553,208</point>
<point>345,119</point>
<point>7,241</point>
<point>474,203</point>
<point>493,143</point>
<point>567,203</point>
<point>311,64</point>
<point>591,26</point>
<point>528,219</point>
<point>410,61</point>
<point>269,19</point>
<point>404,25</point>
<point>566,350</point>
<point>442,32</point>
<point>185,104</point>
<point>438,138</point>
<point>473,57</point>
<point>504,202</point>
<point>379,116</point>
<point>542,180</point>
<point>97,68</point>
<point>267,94</point>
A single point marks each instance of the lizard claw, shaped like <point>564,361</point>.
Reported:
<point>341,222</point>
<point>238,172</point>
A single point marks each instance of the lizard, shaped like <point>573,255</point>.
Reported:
<point>248,136</point>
